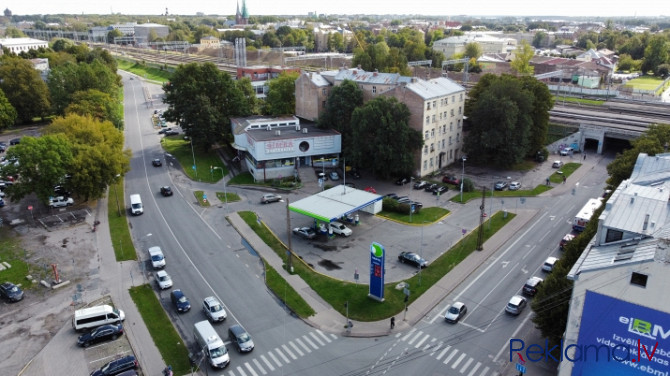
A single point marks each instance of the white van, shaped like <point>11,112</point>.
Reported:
<point>208,340</point>
<point>136,207</point>
<point>157,257</point>
<point>89,318</point>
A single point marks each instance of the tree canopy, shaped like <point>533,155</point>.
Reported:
<point>281,94</point>
<point>383,141</point>
<point>341,103</point>
<point>24,89</point>
<point>8,114</point>
<point>522,55</point>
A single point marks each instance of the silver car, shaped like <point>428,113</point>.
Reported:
<point>213,309</point>
<point>515,305</point>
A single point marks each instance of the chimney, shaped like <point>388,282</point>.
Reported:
<point>646,222</point>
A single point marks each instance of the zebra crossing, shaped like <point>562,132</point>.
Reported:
<point>452,357</point>
<point>276,358</point>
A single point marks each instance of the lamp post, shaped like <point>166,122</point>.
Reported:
<point>193,153</point>
<point>223,177</point>
<point>463,159</point>
<point>411,179</point>
<point>118,207</point>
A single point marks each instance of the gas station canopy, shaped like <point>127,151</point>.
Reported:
<point>336,202</point>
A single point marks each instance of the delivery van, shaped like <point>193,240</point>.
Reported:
<point>208,340</point>
<point>136,207</point>
<point>93,317</point>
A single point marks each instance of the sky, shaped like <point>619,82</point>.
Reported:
<point>585,8</point>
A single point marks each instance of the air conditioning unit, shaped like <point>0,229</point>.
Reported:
<point>277,133</point>
<point>297,128</point>
<point>269,127</point>
<point>304,130</point>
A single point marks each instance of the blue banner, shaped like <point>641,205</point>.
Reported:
<point>377,257</point>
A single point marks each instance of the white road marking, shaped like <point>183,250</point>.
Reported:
<point>259,366</point>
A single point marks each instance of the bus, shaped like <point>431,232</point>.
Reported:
<point>584,216</point>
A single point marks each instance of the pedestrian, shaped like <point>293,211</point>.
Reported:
<point>584,156</point>
<point>392,322</point>
<point>564,179</point>
<point>547,181</point>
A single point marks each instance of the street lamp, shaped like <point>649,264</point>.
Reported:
<point>463,159</point>
<point>193,153</point>
<point>116,182</point>
<point>411,205</point>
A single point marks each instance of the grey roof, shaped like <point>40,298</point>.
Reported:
<point>333,203</point>
<point>317,79</point>
<point>435,88</point>
<point>614,255</point>
<point>359,75</point>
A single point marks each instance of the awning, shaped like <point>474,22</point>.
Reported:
<point>332,204</point>
<point>238,147</point>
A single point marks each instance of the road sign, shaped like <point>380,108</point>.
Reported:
<point>30,207</point>
<point>520,368</point>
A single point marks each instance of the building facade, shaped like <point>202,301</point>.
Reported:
<point>18,45</point>
<point>489,44</point>
<point>619,302</point>
<point>274,148</point>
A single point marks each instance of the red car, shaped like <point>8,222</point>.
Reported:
<point>371,190</point>
<point>451,179</point>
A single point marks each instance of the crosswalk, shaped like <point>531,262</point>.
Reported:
<point>451,357</point>
<point>269,362</point>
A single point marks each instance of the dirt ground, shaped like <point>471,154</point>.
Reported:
<point>47,237</point>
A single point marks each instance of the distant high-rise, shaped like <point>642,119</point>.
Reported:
<point>242,17</point>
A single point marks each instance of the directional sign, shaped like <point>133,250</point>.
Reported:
<point>520,368</point>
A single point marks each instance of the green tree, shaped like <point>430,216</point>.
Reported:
<point>543,102</point>
<point>44,162</point>
<point>625,63</point>
<point>342,101</point>
<point>654,141</point>
<point>8,114</point>
<point>656,53</point>
<point>473,50</point>
<point>101,106</point>
<point>540,39</point>
<point>383,140</point>
<point>24,89</point>
<point>202,99</point>
<point>244,86</point>
<point>97,153</point>
<point>522,56</point>
<point>281,95</point>
<point>69,78</point>
<point>335,42</point>
<point>113,34</point>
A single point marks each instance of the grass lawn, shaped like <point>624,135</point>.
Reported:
<point>566,171</point>
<point>118,224</point>
<point>467,196</point>
<point>199,196</point>
<point>165,336</point>
<point>591,102</point>
<point>425,215</point>
<point>181,150</point>
<point>11,253</point>
<point>150,73</point>
<point>286,293</point>
<point>227,196</point>
<point>245,178</point>
<point>362,308</point>
<point>645,82</point>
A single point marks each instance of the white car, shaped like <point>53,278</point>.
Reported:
<point>549,264</point>
<point>163,279</point>
<point>557,164</point>
<point>157,257</point>
<point>514,186</point>
<point>340,229</point>
<point>213,309</point>
<point>60,201</point>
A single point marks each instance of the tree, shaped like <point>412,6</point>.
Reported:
<point>113,34</point>
<point>382,138</point>
<point>625,63</point>
<point>341,103</point>
<point>540,39</point>
<point>97,153</point>
<point>24,89</point>
<point>96,104</point>
<point>522,55</point>
<point>69,78</point>
<point>44,162</point>
<point>8,114</point>
<point>473,50</point>
<point>655,54</point>
<point>654,141</point>
<point>281,95</point>
<point>543,102</point>
<point>244,86</point>
<point>193,86</point>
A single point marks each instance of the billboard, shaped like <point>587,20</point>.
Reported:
<point>620,338</point>
<point>377,256</point>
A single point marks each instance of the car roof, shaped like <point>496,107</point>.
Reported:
<point>212,300</point>
<point>534,280</point>
<point>516,299</point>
<point>161,273</point>
<point>177,293</point>
<point>458,305</point>
<point>551,260</point>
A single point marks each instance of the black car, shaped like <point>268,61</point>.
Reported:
<point>430,187</point>
<point>531,286</point>
<point>412,258</point>
<point>99,334</point>
<point>15,141</point>
<point>156,162</point>
<point>171,133</point>
<point>180,301</point>
<point>166,191</point>
<point>164,130</point>
<point>391,196</point>
<point>10,291</point>
<point>403,181</point>
<point>60,190</point>
<point>500,185</point>
<point>117,366</point>
<point>440,189</point>
<point>420,184</point>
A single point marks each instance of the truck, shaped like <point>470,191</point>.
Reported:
<point>584,215</point>
<point>208,340</point>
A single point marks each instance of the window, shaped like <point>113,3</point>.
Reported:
<point>458,137</point>
<point>440,116</point>
<point>374,89</point>
<point>639,279</point>
<point>427,119</point>
<point>425,165</point>
<point>459,123</point>
<point>432,133</point>
<point>428,106</point>
<point>323,91</point>
<point>613,235</point>
<point>461,97</point>
<point>426,135</point>
<point>449,140</point>
<point>431,162</point>
<point>445,114</point>
<point>444,128</point>
<point>432,149</point>
<point>452,112</point>
<point>444,146</point>
<point>425,150</point>
<point>460,110</point>
<point>453,99</point>
<point>433,118</point>
<point>451,126</point>
<point>434,103</point>
<point>323,104</point>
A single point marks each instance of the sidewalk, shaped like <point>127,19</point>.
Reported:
<point>328,319</point>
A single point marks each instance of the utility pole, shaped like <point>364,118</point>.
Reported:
<point>288,231</point>
<point>480,231</point>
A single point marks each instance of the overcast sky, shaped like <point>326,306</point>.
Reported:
<point>588,8</point>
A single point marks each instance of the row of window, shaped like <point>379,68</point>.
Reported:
<point>441,130</point>
<point>443,115</point>
<point>443,101</point>
<point>432,161</point>
<point>443,144</point>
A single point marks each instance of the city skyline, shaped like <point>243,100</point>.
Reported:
<point>524,8</point>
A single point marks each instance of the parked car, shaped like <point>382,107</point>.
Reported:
<point>566,151</point>
<point>60,190</point>
<point>180,301</point>
<point>440,189</point>
<point>566,239</point>
<point>500,185</point>
<point>392,196</point>
<point>60,201</point>
<point>305,232</point>
<point>156,162</point>
<point>214,309</point>
<point>15,141</point>
<point>430,187</point>
<point>2,203</point>
<point>403,200</point>
<point>171,133</point>
<point>549,264</point>
<point>413,259</point>
<point>333,175</point>
<point>117,366</point>
<point>557,164</point>
<point>403,180</point>
<point>322,176</point>
<point>531,286</point>
<point>370,189</point>
<point>451,179</point>
<point>340,229</point>
<point>11,292</point>
<point>163,279</point>
<point>514,186</point>
<point>420,184</point>
<point>515,305</point>
<point>99,334</point>
<point>270,197</point>
<point>162,131</point>
<point>166,191</point>
<point>455,312</point>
